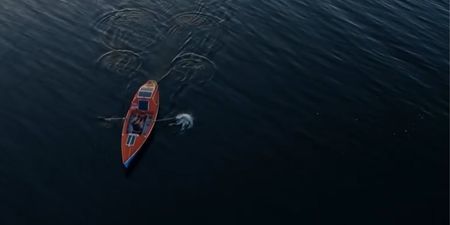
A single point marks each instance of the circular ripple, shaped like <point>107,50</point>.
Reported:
<point>192,67</point>
<point>130,28</point>
<point>189,20</point>
<point>123,62</point>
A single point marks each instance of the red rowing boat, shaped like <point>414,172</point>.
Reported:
<point>140,120</point>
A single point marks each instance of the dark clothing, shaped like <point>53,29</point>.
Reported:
<point>138,125</point>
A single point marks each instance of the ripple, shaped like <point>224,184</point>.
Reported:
<point>193,20</point>
<point>130,28</point>
<point>124,62</point>
<point>192,67</point>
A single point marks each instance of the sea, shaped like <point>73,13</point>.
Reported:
<point>295,112</point>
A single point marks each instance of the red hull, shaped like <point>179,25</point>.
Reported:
<point>140,120</point>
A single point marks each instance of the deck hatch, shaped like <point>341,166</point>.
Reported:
<point>147,89</point>
<point>143,105</point>
<point>145,94</point>
<point>131,140</point>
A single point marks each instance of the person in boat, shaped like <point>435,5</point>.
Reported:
<point>138,123</point>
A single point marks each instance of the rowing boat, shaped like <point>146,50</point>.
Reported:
<point>139,121</point>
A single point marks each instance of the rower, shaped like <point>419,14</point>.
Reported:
<point>138,123</point>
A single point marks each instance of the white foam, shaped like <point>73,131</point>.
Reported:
<point>186,121</point>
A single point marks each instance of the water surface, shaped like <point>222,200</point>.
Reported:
<point>306,112</point>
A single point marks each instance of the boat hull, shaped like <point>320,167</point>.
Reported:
<point>139,121</point>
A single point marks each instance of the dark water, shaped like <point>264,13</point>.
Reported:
<point>306,112</point>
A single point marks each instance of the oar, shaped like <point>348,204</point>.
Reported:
<point>109,119</point>
<point>186,121</point>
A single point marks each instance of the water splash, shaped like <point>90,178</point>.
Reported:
<point>124,62</point>
<point>186,121</point>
